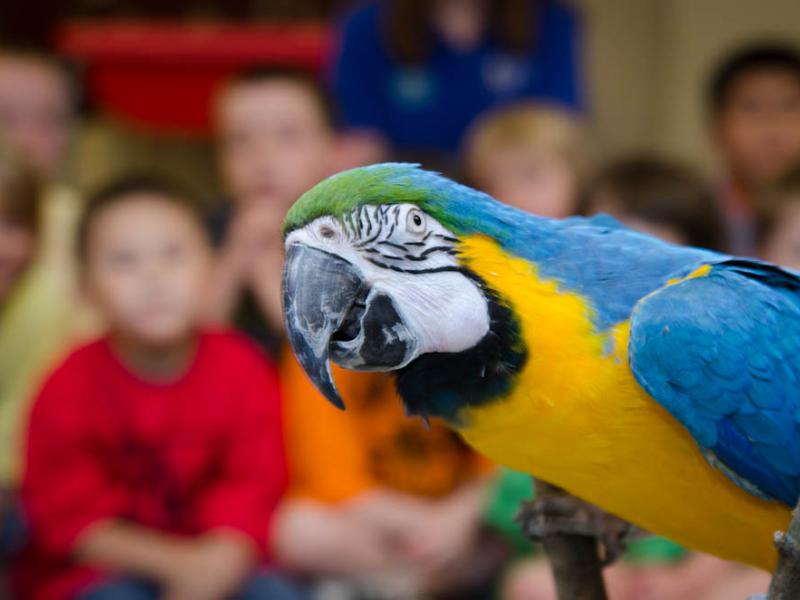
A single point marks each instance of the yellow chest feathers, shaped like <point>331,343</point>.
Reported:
<point>570,367</point>
<point>576,417</point>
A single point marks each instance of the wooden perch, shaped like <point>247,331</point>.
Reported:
<point>574,558</point>
<point>786,580</point>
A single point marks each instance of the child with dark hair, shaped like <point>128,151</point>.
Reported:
<point>276,139</point>
<point>663,199</point>
<point>374,497</point>
<point>778,227</point>
<point>754,106</point>
<point>154,454</point>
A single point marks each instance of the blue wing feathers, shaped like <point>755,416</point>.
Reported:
<point>739,458</point>
<point>722,354</point>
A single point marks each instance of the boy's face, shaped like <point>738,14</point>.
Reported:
<point>534,180</point>
<point>34,110</point>
<point>782,246</point>
<point>147,265</point>
<point>274,142</point>
<point>16,250</point>
<point>758,128</point>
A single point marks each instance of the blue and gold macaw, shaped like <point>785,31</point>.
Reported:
<point>658,382</point>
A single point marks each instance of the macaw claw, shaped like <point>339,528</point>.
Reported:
<point>558,513</point>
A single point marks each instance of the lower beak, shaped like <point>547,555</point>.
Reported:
<point>319,288</point>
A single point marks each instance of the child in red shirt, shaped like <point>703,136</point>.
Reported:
<point>154,455</point>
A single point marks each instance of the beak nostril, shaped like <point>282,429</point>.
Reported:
<point>351,326</point>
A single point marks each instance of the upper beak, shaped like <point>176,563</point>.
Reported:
<point>318,290</point>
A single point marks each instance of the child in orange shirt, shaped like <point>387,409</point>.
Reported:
<point>377,498</point>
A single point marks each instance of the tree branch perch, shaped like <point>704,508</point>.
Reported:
<point>786,580</point>
<point>574,558</point>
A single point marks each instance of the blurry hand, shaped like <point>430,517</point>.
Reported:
<point>316,538</point>
<point>259,233</point>
<point>441,536</point>
<point>251,258</point>
<point>212,568</point>
<point>424,535</point>
<point>390,513</point>
<point>257,228</point>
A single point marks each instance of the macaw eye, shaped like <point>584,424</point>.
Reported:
<point>415,221</point>
<point>327,232</point>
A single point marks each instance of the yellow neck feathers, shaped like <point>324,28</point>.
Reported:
<point>577,418</point>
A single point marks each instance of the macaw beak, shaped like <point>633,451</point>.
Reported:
<point>331,312</point>
<point>319,289</point>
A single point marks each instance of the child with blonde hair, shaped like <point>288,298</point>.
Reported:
<point>530,156</point>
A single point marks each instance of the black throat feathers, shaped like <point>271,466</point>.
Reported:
<point>441,384</point>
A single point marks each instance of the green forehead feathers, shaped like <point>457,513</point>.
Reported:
<point>387,183</point>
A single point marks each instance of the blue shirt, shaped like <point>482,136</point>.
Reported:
<point>429,106</point>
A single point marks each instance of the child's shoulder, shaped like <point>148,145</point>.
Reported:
<point>87,355</point>
<point>236,360</point>
<point>72,377</point>
<point>234,348</point>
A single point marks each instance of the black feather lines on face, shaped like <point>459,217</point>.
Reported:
<point>373,230</point>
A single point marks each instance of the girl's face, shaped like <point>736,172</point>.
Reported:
<point>782,246</point>
<point>16,250</point>
<point>539,182</point>
<point>460,22</point>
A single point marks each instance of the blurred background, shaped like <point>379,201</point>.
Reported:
<point>120,119</point>
<point>645,63</point>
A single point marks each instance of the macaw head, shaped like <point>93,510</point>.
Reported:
<point>373,280</point>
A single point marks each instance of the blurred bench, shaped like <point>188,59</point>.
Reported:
<point>161,75</point>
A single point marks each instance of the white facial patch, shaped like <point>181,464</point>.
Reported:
<point>409,256</point>
<point>446,310</point>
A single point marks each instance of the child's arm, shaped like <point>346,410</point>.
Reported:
<point>264,277</point>
<point>252,474</point>
<point>209,566</point>
<point>251,257</point>
<point>118,546</point>
<point>228,279</point>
